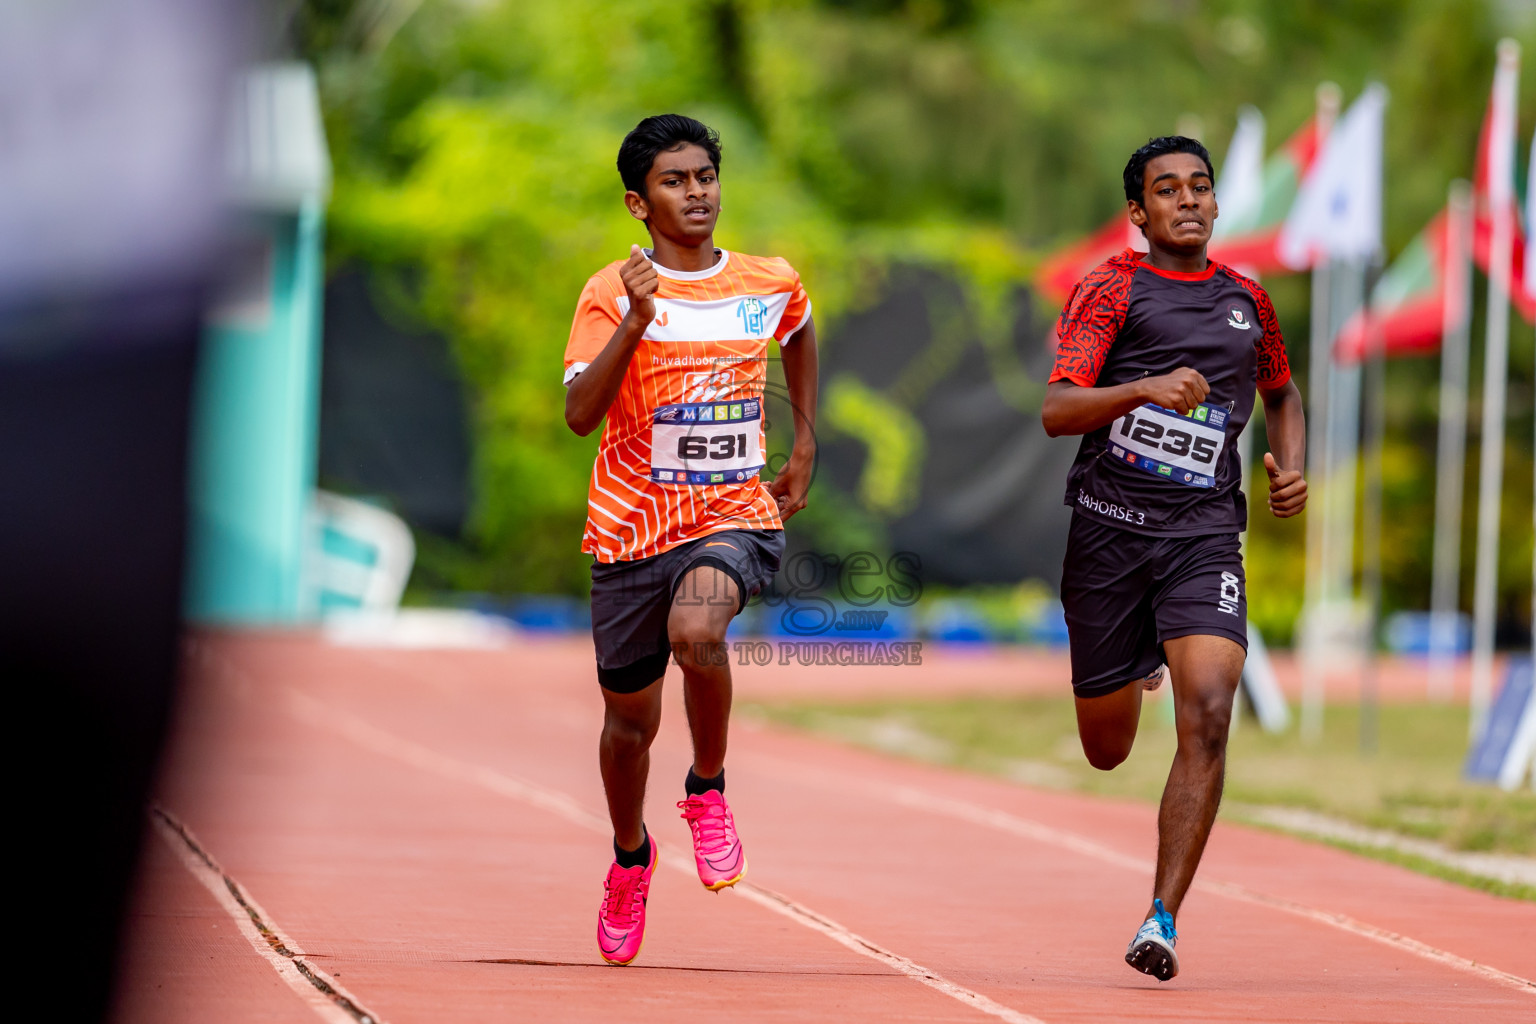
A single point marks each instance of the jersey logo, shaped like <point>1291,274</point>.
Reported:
<point>661,321</point>
<point>753,312</point>
<point>706,387</point>
<point>1235,318</point>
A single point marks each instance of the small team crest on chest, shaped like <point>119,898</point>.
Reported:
<point>753,313</point>
<point>1237,318</point>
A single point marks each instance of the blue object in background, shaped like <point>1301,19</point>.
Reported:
<point>1050,628</point>
<point>1410,632</point>
<point>538,613</point>
<point>818,617</point>
<point>1487,758</point>
<point>958,621</point>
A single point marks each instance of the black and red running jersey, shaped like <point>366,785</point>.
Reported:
<point>1154,470</point>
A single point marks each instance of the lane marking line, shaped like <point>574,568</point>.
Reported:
<point>1003,821</point>
<point>320,715</point>
<point>317,989</point>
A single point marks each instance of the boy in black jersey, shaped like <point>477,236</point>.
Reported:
<point>1158,358</point>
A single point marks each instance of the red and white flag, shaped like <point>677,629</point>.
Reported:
<point>1417,296</point>
<point>1493,195</point>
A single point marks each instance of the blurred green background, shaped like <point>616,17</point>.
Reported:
<point>879,145</point>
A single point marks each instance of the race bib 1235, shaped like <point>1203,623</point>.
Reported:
<point>1181,447</point>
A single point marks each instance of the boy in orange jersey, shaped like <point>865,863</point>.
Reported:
<point>671,346</point>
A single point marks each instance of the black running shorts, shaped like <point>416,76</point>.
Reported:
<point>1127,593</point>
<point>631,600</point>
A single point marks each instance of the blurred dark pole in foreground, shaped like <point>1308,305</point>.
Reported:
<point>110,157</point>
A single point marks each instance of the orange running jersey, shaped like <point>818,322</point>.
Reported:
<point>683,443</point>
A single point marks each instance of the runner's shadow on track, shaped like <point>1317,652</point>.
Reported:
<point>514,962</point>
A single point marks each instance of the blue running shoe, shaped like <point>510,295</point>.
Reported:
<point>1151,951</point>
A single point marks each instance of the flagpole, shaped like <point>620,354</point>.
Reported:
<point>1318,358</point>
<point>1495,369</point>
<point>1375,441</point>
<point>1345,394</point>
<point>1451,463</point>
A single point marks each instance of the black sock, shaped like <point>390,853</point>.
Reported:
<point>695,786</point>
<point>637,858</point>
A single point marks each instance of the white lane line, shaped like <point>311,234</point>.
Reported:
<point>280,951</point>
<point>917,972</point>
<point>1012,824</point>
<point>315,713</point>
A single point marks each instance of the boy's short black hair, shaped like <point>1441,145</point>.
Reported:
<point>662,133</point>
<point>1136,167</point>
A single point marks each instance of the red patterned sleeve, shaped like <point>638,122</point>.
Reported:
<point>1091,322</point>
<point>1274,367</point>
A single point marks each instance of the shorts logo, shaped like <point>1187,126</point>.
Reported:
<point>1231,593</point>
<point>1235,318</point>
<point>1164,470</point>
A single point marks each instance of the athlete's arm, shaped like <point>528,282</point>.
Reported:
<point>593,390</point>
<point>1071,409</point>
<point>790,486</point>
<point>1286,424</point>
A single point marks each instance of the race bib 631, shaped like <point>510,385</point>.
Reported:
<point>702,443</point>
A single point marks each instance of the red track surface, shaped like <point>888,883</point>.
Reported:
<point>426,831</point>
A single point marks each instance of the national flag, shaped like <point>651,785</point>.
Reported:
<point>1493,193</point>
<point>1337,213</point>
<point>1242,177</point>
<point>1253,245</point>
<point>1249,244</point>
<point>1528,279</point>
<point>1409,302</point>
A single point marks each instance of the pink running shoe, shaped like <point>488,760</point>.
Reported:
<point>716,849</point>
<point>621,919</point>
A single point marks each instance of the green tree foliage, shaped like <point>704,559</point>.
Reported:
<point>474,147</point>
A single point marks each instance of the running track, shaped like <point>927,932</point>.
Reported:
<point>405,836</point>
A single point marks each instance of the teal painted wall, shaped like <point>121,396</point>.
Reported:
<point>255,436</point>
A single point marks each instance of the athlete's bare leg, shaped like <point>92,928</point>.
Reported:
<point>702,609</point>
<point>1205,672</point>
<point>1107,725</point>
<point>624,757</point>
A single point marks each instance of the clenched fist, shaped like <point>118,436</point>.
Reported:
<point>640,281</point>
<point>1181,390</point>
